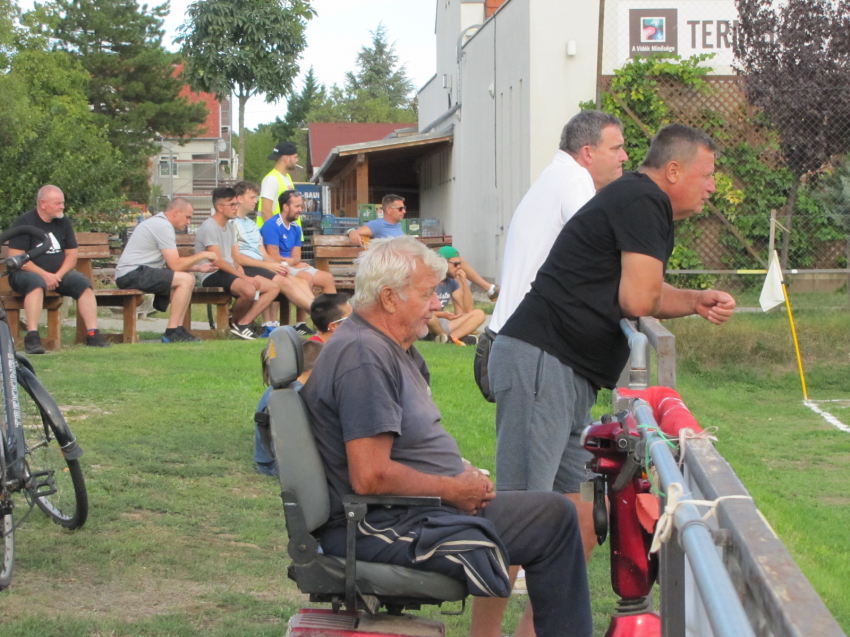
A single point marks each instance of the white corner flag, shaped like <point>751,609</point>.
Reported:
<point>771,293</point>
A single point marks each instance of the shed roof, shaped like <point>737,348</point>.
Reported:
<point>325,136</point>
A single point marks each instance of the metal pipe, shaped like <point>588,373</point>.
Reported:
<point>723,606</point>
<point>639,359</point>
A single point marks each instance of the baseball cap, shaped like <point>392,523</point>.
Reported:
<point>447,252</point>
<point>283,149</point>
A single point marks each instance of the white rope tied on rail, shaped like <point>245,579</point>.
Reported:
<point>664,527</point>
<point>689,434</point>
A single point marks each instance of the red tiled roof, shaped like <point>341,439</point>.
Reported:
<point>325,136</point>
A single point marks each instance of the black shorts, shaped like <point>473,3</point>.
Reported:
<point>250,270</point>
<point>73,284</point>
<point>220,279</point>
<point>151,280</point>
<point>156,281</point>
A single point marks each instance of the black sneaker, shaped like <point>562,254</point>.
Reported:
<point>32,343</point>
<point>303,330</point>
<point>186,336</point>
<point>242,331</point>
<point>180,335</point>
<point>469,339</point>
<point>97,340</point>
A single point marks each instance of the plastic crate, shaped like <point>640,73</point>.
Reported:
<point>412,226</point>
<point>367,212</point>
<point>431,228</point>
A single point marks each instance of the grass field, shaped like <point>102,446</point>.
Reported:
<point>184,538</point>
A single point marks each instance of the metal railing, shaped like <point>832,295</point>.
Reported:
<point>729,574</point>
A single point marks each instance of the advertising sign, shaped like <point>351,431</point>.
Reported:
<point>312,195</point>
<point>677,27</point>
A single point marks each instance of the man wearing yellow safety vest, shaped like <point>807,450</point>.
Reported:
<point>285,156</point>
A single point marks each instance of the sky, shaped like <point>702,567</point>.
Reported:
<point>334,38</point>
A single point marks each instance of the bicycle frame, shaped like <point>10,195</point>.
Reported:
<point>15,448</point>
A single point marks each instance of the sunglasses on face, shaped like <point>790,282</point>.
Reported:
<point>455,263</point>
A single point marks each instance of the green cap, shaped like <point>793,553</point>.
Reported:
<point>447,252</point>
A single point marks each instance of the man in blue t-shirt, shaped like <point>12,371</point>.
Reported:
<point>282,238</point>
<point>455,327</point>
<point>390,226</point>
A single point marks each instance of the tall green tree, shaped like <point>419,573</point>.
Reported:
<point>379,74</point>
<point>133,89</point>
<point>378,91</point>
<point>50,135</point>
<point>298,107</point>
<point>246,47</point>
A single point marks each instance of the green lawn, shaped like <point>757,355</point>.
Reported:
<point>184,538</point>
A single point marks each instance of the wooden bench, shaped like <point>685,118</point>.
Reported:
<point>216,297</point>
<point>91,245</point>
<point>95,245</point>
<point>14,303</point>
<point>336,254</point>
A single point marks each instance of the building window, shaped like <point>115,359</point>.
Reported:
<point>164,169</point>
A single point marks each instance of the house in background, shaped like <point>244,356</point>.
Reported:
<point>194,169</point>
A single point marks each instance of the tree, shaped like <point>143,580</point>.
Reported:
<point>133,89</point>
<point>379,91</point>
<point>50,135</point>
<point>378,73</point>
<point>795,58</point>
<point>246,47</point>
<point>298,107</point>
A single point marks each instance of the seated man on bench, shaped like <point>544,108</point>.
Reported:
<point>282,237</point>
<point>151,263</point>
<point>378,431</point>
<point>54,270</point>
<point>218,236</point>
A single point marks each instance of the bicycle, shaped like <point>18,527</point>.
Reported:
<point>39,456</point>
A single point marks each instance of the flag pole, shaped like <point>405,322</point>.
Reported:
<point>796,342</point>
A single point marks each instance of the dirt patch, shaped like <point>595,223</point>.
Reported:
<point>127,600</point>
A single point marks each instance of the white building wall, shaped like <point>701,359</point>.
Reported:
<point>517,88</point>
<point>558,81</point>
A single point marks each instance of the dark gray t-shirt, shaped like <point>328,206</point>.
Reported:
<point>365,384</point>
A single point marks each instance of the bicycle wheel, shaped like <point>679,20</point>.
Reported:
<point>69,505</point>
<point>7,529</point>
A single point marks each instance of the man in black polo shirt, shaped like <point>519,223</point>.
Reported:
<point>564,341</point>
<point>54,270</point>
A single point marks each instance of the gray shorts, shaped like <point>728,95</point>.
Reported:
<point>444,323</point>
<point>542,407</point>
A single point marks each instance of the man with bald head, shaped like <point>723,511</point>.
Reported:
<point>150,263</point>
<point>53,271</point>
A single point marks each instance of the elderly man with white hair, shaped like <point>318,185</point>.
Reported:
<point>379,432</point>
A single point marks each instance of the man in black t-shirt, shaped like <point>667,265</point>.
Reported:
<point>52,271</point>
<point>564,341</point>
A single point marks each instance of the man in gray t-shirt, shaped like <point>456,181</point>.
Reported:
<point>379,431</point>
<point>151,263</point>
<point>253,294</point>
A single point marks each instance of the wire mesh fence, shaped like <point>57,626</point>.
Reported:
<point>786,155</point>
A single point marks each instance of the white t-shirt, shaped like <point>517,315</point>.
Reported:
<point>269,188</point>
<point>557,195</point>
